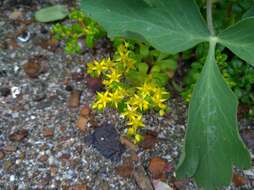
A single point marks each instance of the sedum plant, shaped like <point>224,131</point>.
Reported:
<point>131,86</point>
<point>212,142</point>
<point>81,30</point>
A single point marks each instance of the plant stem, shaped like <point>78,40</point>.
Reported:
<point>209,17</point>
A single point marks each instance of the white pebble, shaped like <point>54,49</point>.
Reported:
<point>12,178</point>
<point>51,160</point>
<point>33,117</point>
<point>15,91</point>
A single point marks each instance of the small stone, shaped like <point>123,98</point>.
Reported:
<point>15,14</point>
<point>5,91</point>
<point>43,158</point>
<point>24,37</point>
<point>53,170</point>
<point>32,68</point>
<point>69,88</point>
<point>79,187</point>
<point>74,99</point>
<point>9,148</point>
<point>12,178</point>
<point>19,135</point>
<point>77,76</point>
<point>82,123</point>
<point>51,160</point>
<point>2,155</point>
<point>47,132</point>
<point>15,91</point>
<point>7,165</point>
<point>85,111</point>
<point>65,157</point>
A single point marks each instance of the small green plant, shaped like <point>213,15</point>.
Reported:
<point>134,82</point>
<point>80,29</point>
<point>212,142</point>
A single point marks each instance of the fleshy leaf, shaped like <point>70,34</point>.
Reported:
<point>171,26</point>
<point>212,142</point>
<point>53,13</point>
<point>239,38</point>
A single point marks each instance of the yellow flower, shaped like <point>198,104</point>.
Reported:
<point>117,96</point>
<point>96,67</point>
<point>140,102</point>
<point>138,138</point>
<point>146,89</point>
<point>131,112</point>
<point>131,131</point>
<point>159,101</point>
<point>102,100</point>
<point>129,63</point>
<point>114,76</point>
<point>136,121</point>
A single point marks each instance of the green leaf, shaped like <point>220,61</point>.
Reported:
<point>143,68</point>
<point>144,50</point>
<point>167,64</point>
<point>151,2</point>
<point>172,26</point>
<point>50,14</point>
<point>161,79</point>
<point>239,38</point>
<point>249,12</point>
<point>212,142</point>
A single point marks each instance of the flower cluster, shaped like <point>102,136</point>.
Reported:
<point>130,100</point>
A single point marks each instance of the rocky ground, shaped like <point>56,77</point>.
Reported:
<point>44,100</point>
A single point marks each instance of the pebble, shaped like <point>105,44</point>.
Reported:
<point>47,132</point>
<point>15,91</point>
<point>5,91</point>
<point>12,178</point>
<point>51,160</point>
<point>74,99</point>
<point>24,37</point>
<point>2,155</point>
<point>9,148</point>
<point>18,135</point>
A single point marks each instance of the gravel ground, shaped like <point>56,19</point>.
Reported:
<point>50,152</point>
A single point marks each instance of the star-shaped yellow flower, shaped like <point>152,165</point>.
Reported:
<point>114,76</point>
<point>117,96</point>
<point>102,100</point>
<point>140,102</point>
<point>96,67</point>
<point>136,121</point>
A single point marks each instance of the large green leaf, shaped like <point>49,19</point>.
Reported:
<point>240,39</point>
<point>170,26</point>
<point>212,142</point>
<point>151,2</point>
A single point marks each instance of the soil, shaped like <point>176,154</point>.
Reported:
<point>41,146</point>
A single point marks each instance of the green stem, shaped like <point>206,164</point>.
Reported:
<point>209,17</point>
